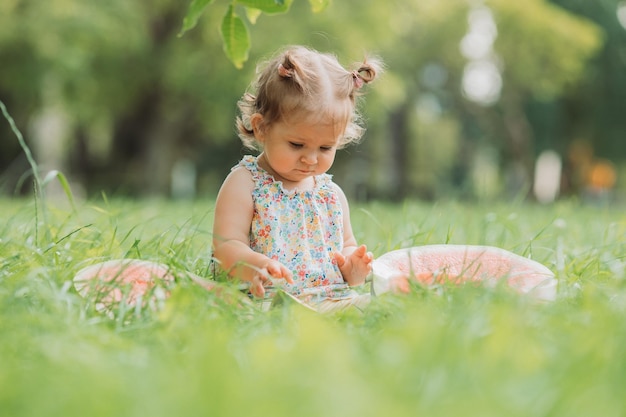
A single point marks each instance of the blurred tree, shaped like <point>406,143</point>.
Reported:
<point>134,98</point>
<point>539,51</point>
<point>423,54</point>
<point>592,113</point>
<point>546,52</point>
<point>50,56</point>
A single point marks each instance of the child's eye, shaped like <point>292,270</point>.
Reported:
<point>295,145</point>
<point>326,148</point>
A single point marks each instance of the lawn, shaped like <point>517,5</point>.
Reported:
<point>448,351</point>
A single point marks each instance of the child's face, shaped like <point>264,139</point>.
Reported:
<point>296,151</point>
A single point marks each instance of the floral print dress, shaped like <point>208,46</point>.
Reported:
<point>300,229</point>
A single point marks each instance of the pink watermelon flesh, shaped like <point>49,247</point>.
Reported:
<point>432,264</point>
<point>127,280</point>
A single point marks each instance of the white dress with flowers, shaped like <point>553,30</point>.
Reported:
<point>300,229</point>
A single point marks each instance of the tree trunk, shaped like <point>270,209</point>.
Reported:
<point>519,149</point>
<point>399,146</point>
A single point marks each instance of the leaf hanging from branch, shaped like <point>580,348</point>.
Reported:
<point>193,14</point>
<point>235,38</point>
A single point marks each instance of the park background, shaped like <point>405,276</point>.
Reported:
<point>115,97</point>
<point>110,97</point>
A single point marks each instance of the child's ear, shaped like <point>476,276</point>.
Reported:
<point>258,127</point>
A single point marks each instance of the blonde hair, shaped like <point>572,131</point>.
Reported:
<point>301,82</point>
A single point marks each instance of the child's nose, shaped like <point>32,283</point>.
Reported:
<point>310,157</point>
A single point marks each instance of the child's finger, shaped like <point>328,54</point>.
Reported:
<point>256,288</point>
<point>257,285</point>
<point>359,252</point>
<point>275,270</point>
<point>286,273</point>
<point>278,270</point>
<point>340,258</point>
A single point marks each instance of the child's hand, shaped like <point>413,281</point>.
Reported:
<point>356,266</point>
<point>271,270</point>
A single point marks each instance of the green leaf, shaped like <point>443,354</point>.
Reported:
<point>267,6</point>
<point>235,38</point>
<point>318,5</point>
<point>193,14</point>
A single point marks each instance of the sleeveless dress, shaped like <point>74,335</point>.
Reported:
<point>300,229</point>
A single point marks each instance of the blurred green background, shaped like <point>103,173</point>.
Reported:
<point>480,100</point>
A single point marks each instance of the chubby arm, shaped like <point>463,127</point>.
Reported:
<point>231,241</point>
<point>354,261</point>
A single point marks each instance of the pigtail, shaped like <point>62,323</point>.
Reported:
<point>289,70</point>
<point>367,72</point>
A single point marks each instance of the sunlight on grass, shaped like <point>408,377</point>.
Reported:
<point>445,351</point>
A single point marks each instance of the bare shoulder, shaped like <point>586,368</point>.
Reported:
<point>239,180</point>
<point>234,207</point>
<point>235,193</point>
<point>240,174</point>
<point>340,193</point>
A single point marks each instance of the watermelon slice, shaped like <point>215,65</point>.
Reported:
<point>437,264</point>
<point>130,281</point>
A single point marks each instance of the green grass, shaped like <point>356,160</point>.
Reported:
<point>469,352</point>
